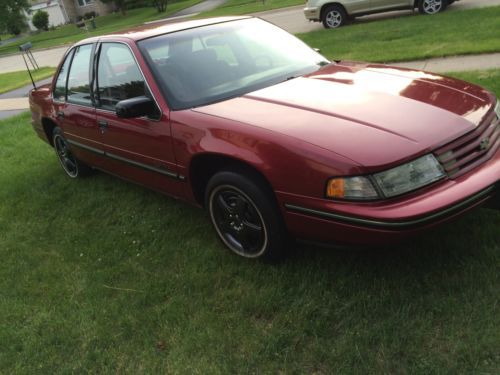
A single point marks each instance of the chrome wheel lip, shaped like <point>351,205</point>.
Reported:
<point>65,156</point>
<point>221,235</point>
<point>432,6</point>
<point>333,19</point>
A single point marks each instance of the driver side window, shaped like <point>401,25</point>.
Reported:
<point>118,76</point>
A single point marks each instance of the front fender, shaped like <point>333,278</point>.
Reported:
<point>289,164</point>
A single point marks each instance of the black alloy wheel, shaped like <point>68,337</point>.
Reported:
<point>69,162</point>
<point>245,216</point>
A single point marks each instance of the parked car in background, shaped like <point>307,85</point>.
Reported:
<point>240,117</point>
<point>335,13</point>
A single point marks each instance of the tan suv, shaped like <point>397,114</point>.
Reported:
<point>334,13</point>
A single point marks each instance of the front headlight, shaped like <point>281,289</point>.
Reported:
<point>396,181</point>
<point>409,176</point>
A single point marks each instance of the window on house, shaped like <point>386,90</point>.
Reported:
<point>82,3</point>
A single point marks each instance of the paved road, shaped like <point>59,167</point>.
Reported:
<point>10,40</point>
<point>10,113</point>
<point>16,101</point>
<point>293,20</point>
<point>23,91</point>
<point>48,57</point>
<point>204,6</point>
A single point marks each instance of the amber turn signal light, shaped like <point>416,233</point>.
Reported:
<point>335,188</point>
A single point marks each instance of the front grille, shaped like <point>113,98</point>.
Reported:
<point>470,150</point>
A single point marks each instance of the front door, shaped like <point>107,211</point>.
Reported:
<point>138,149</point>
<point>388,4</point>
<point>356,6</point>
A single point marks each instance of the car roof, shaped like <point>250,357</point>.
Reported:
<point>157,28</point>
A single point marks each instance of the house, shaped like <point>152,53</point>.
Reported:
<point>66,11</point>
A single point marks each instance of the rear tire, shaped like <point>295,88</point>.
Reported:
<point>333,16</point>
<point>70,164</point>
<point>245,215</point>
<point>432,6</point>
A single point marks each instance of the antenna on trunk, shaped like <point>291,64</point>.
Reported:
<point>28,56</point>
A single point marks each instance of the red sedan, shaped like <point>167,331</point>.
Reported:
<point>238,116</point>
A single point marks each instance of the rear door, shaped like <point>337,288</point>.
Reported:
<point>139,149</point>
<point>74,106</point>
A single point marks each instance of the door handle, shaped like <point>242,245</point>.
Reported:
<point>60,114</point>
<point>103,125</point>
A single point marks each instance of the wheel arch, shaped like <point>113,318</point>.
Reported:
<point>48,127</point>
<point>324,6</point>
<point>204,165</point>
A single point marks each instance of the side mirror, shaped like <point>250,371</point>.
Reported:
<point>135,107</point>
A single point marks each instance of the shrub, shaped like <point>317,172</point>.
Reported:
<point>89,15</point>
<point>15,25</point>
<point>41,20</point>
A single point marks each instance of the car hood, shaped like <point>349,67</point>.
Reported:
<point>375,115</point>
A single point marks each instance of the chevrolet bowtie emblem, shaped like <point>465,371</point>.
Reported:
<point>483,145</point>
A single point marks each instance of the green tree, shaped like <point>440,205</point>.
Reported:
<point>161,5</point>
<point>13,19</point>
<point>41,20</point>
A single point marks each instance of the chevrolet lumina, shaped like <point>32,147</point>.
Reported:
<point>238,116</point>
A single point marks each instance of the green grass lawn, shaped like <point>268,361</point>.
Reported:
<point>105,24</point>
<point>412,37</point>
<point>14,80</point>
<point>100,275</point>
<point>237,7</point>
<point>489,79</point>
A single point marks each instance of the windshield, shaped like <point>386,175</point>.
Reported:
<point>212,63</point>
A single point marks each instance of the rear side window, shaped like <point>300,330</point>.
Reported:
<point>62,78</point>
<point>118,76</point>
<point>79,76</point>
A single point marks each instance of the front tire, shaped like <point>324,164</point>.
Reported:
<point>432,6</point>
<point>245,215</point>
<point>333,17</point>
<point>70,164</point>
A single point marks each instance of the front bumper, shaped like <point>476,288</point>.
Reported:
<point>391,220</point>
<point>312,14</point>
